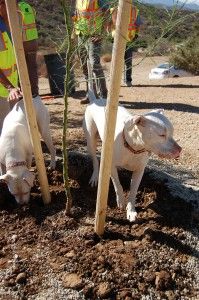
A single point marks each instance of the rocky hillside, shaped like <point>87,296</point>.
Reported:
<point>177,25</point>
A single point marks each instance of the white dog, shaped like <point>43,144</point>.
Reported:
<point>16,148</point>
<point>136,136</point>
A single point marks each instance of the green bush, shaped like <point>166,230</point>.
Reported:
<point>186,55</point>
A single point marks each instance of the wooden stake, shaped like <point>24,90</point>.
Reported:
<point>27,96</point>
<point>111,112</point>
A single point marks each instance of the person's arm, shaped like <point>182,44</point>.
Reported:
<point>14,92</point>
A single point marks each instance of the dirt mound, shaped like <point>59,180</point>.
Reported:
<point>45,254</point>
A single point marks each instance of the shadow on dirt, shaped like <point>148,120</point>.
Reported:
<point>167,106</point>
<point>175,86</point>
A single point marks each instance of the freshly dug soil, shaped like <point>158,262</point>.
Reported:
<point>45,254</point>
<point>48,255</point>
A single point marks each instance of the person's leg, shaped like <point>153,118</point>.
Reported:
<point>94,56</point>
<point>128,56</point>
<point>4,110</point>
<point>83,55</point>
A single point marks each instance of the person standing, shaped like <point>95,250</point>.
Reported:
<point>133,32</point>
<point>10,91</point>
<point>90,19</point>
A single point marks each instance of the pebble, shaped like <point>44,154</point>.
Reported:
<point>103,290</point>
<point>72,280</point>
<point>21,278</point>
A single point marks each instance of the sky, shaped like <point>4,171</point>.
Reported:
<point>193,1</point>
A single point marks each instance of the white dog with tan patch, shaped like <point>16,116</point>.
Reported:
<point>16,148</point>
<point>136,136</point>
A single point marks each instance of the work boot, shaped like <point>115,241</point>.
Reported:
<point>128,84</point>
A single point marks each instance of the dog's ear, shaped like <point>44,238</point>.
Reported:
<point>135,120</point>
<point>5,178</point>
<point>29,177</point>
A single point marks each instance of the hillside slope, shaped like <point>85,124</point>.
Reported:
<point>50,22</point>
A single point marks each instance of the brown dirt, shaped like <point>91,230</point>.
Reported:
<point>47,255</point>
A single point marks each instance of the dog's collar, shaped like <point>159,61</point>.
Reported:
<point>126,145</point>
<point>14,164</point>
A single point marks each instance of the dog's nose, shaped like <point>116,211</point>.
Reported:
<point>177,151</point>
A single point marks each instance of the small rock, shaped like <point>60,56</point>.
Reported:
<point>103,290</point>
<point>72,280</point>
<point>163,280</point>
<point>70,254</point>
<point>21,278</point>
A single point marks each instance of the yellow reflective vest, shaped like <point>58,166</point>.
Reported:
<point>28,21</point>
<point>89,18</point>
<point>7,61</point>
<point>133,29</point>
<point>7,56</point>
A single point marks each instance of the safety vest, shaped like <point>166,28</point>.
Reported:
<point>133,28</point>
<point>28,21</point>
<point>88,19</point>
<point>7,61</point>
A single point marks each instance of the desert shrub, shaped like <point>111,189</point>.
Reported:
<point>186,55</point>
<point>160,47</point>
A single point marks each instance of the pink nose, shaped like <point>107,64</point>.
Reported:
<point>177,151</point>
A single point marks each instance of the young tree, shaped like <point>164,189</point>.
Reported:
<point>69,49</point>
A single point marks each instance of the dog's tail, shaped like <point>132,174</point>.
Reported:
<point>91,95</point>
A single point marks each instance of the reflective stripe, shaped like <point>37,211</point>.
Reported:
<point>133,17</point>
<point>7,72</point>
<point>132,27</point>
<point>29,26</point>
<point>28,21</point>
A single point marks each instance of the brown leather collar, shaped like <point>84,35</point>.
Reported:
<point>130,148</point>
<point>15,164</point>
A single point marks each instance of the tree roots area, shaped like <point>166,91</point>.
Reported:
<point>45,254</point>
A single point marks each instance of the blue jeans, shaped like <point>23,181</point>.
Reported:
<point>91,50</point>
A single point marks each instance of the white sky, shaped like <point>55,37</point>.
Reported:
<point>194,1</point>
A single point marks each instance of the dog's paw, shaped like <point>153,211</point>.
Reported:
<point>131,215</point>
<point>94,180</point>
<point>52,165</point>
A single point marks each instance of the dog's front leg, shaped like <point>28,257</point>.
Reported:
<point>135,182</point>
<point>118,188</point>
<point>2,169</point>
<point>43,120</point>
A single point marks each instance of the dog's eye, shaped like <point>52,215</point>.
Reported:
<point>162,135</point>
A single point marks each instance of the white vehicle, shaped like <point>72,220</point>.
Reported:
<point>167,70</point>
